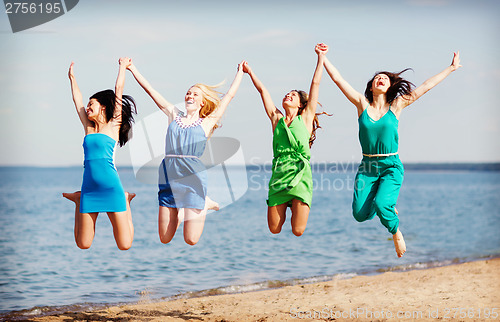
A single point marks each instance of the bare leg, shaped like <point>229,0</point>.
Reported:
<point>194,222</point>
<point>123,228</point>
<point>84,223</point>
<point>75,197</point>
<point>129,197</point>
<point>210,204</point>
<point>300,214</point>
<point>168,222</point>
<point>276,216</point>
<point>399,243</point>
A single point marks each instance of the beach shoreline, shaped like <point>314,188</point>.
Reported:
<point>464,291</point>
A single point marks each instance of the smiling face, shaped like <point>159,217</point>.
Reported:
<point>94,108</point>
<point>194,99</point>
<point>291,100</point>
<point>381,84</point>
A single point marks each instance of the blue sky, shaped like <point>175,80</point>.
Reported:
<point>178,43</point>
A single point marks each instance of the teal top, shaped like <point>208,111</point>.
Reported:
<point>378,137</point>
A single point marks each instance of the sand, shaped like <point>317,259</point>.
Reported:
<point>465,292</point>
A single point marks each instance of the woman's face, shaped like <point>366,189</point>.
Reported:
<point>93,109</point>
<point>194,99</point>
<point>381,83</point>
<point>291,100</point>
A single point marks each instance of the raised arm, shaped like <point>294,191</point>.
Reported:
<point>162,103</point>
<point>120,84</point>
<point>217,114</point>
<point>272,112</point>
<point>312,102</point>
<point>77,98</point>
<point>404,101</point>
<point>350,93</point>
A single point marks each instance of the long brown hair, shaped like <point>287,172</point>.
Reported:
<point>304,97</point>
<point>399,86</point>
<point>107,98</point>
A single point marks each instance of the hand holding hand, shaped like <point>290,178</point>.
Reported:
<point>321,49</point>
<point>240,66</point>
<point>246,67</point>
<point>125,61</point>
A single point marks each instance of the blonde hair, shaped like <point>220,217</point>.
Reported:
<point>211,98</point>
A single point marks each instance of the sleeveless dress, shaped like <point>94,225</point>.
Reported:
<point>379,178</point>
<point>182,175</point>
<point>102,190</point>
<point>291,173</point>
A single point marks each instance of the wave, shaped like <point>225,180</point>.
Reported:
<point>34,312</point>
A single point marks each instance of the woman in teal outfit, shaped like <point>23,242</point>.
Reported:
<point>380,173</point>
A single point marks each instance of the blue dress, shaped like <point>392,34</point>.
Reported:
<point>182,175</point>
<point>102,190</point>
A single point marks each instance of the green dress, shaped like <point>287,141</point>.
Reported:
<point>291,177</point>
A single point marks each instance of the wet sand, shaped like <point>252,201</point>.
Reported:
<point>465,292</point>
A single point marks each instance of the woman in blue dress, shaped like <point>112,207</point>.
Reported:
<point>107,121</point>
<point>182,176</point>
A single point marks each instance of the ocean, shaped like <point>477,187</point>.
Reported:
<point>448,214</point>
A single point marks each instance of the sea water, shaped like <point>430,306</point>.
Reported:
<point>446,216</point>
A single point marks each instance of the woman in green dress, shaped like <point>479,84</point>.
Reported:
<point>293,134</point>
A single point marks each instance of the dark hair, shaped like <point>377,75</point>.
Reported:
<point>107,98</point>
<point>304,98</point>
<point>399,86</point>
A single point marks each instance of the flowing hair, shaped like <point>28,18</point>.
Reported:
<point>304,97</point>
<point>107,98</point>
<point>399,86</point>
<point>211,98</point>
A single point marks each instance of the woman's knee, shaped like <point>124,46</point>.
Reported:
<point>298,231</point>
<point>124,246</point>
<point>83,244</point>
<point>164,239</point>
<point>191,240</point>
<point>275,228</point>
<point>360,214</point>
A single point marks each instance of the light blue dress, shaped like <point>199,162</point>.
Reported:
<point>102,190</point>
<point>182,175</point>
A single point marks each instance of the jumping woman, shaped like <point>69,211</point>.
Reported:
<point>293,134</point>
<point>107,121</point>
<point>182,183</point>
<point>380,174</point>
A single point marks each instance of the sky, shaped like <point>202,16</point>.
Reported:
<point>176,44</point>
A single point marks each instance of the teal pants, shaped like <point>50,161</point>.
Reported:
<point>376,190</point>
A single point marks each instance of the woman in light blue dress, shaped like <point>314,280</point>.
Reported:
<point>107,122</point>
<point>182,177</point>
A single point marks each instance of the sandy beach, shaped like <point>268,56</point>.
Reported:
<point>466,292</point>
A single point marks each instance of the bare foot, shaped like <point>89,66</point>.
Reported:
<point>211,205</point>
<point>74,196</point>
<point>129,196</point>
<point>399,243</point>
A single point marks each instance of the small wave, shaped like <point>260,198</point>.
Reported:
<point>146,295</point>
